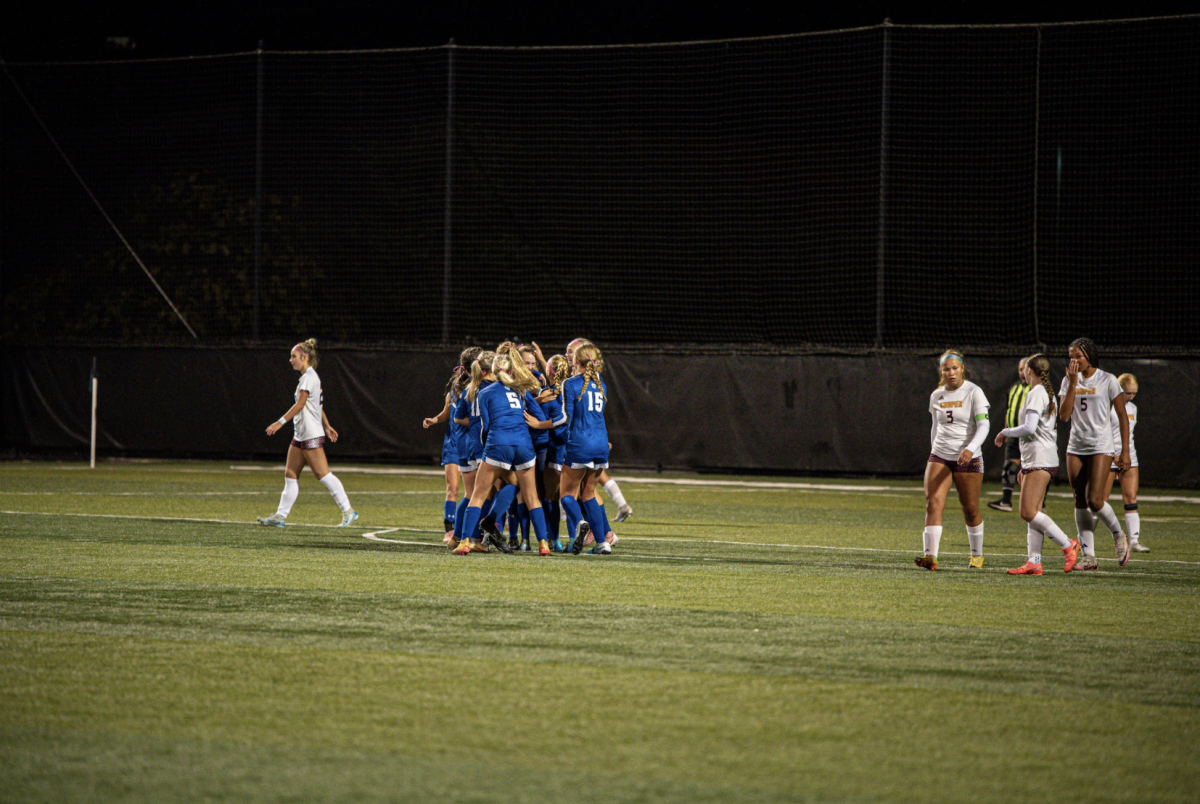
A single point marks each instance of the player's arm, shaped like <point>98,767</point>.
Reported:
<point>982,427</point>
<point>1067,405</point>
<point>1123,459</point>
<point>301,398</point>
<point>441,417</point>
<point>329,431</point>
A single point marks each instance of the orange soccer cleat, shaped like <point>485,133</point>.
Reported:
<point>1029,568</point>
<point>1070,555</point>
<point>928,562</point>
<point>543,547</point>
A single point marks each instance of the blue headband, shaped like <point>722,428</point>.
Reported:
<point>951,357</point>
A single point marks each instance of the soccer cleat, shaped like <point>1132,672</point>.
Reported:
<point>348,517</point>
<point>1121,543</point>
<point>274,521</point>
<point>479,547</point>
<point>1070,555</point>
<point>498,541</point>
<point>543,547</point>
<point>1028,568</point>
<point>976,562</point>
<point>525,546</point>
<point>591,537</point>
<point>555,545</point>
<point>514,543</point>
<point>1000,505</point>
<point>601,549</point>
<point>928,562</point>
<point>463,547</point>
<point>488,526</point>
<point>1134,547</point>
<point>449,537</point>
<point>623,513</point>
<point>1087,563</point>
<point>453,543</point>
<point>580,538</point>
<point>612,538</point>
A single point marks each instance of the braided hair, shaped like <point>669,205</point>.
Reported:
<point>480,366</point>
<point>590,363</point>
<point>1039,364</point>
<point>559,369</point>
<point>1089,350</point>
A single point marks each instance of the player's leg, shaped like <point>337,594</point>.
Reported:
<point>1085,523</point>
<point>450,509</point>
<point>937,486</point>
<point>593,513</point>
<point>485,475</point>
<point>1033,491</point>
<point>624,510</point>
<point>1133,520</point>
<point>1098,473</point>
<point>319,464</point>
<point>527,482</point>
<point>291,488</point>
<point>969,486</point>
<point>570,487</point>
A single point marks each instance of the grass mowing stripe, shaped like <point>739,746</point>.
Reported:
<point>778,737</point>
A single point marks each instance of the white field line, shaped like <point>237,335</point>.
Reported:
<point>727,484</point>
<point>374,536</point>
<point>273,493</point>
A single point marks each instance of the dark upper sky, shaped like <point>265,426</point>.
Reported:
<point>34,31</point>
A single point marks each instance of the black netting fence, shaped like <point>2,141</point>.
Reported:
<point>894,187</point>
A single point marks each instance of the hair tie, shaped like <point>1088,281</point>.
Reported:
<point>457,369</point>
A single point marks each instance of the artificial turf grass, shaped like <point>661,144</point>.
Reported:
<point>830,621</point>
<point>776,737</point>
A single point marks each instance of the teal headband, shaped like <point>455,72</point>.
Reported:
<point>951,357</point>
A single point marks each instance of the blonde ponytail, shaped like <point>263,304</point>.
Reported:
<point>481,366</point>
<point>309,349</point>
<point>513,372</point>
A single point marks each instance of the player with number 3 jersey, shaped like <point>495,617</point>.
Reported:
<point>960,424</point>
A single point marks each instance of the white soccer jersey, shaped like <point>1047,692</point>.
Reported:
<point>1131,411</point>
<point>1091,433</point>
<point>955,414</point>
<point>1040,450</point>
<point>308,421</point>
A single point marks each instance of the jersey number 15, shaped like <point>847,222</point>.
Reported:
<point>595,402</point>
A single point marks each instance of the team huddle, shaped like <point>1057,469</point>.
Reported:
<point>1102,416</point>
<point>527,440</point>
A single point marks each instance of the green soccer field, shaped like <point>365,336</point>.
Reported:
<point>750,640</point>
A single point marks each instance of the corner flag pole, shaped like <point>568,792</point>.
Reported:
<point>95,388</point>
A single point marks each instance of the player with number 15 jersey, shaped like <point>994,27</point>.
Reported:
<point>583,401</point>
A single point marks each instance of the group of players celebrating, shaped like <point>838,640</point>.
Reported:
<point>1102,416</point>
<point>527,440</point>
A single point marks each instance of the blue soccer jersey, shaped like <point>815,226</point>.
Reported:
<point>583,415</point>
<point>553,411</point>
<point>502,411</point>
<point>541,438</point>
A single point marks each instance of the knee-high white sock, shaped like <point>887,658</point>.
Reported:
<point>614,493</point>
<point>291,490</point>
<point>1046,525</point>
<point>1084,523</point>
<point>334,485</point>
<point>975,538</point>
<point>932,537</point>
<point>1109,518</point>
<point>1133,524</point>
<point>1033,539</point>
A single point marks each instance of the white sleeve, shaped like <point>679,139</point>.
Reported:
<point>1026,428</point>
<point>982,427</point>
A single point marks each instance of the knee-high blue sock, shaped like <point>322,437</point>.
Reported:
<point>502,501</point>
<point>574,515</point>
<point>538,517</point>
<point>470,520</point>
<point>514,520</point>
<point>604,517</point>
<point>523,519</point>
<point>458,517</point>
<point>552,518</point>
<point>451,510</point>
<point>595,518</point>
<point>486,509</point>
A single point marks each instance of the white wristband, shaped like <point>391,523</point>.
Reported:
<point>283,420</point>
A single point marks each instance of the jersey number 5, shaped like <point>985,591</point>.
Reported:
<point>514,401</point>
